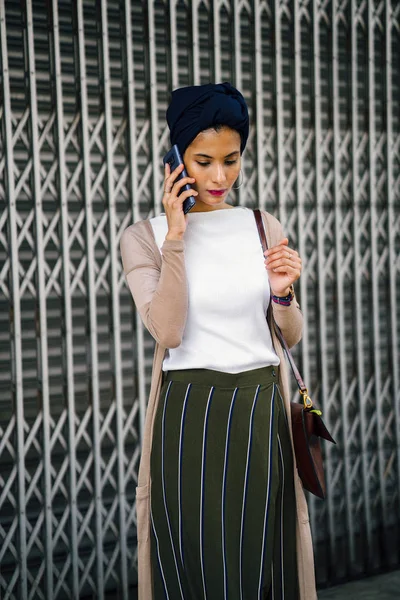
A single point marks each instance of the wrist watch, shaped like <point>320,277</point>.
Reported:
<point>284,300</point>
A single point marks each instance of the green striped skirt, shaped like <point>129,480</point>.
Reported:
<point>223,507</point>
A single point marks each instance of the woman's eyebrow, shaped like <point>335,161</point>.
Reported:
<point>207,156</point>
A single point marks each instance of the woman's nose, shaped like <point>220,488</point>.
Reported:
<point>219,174</point>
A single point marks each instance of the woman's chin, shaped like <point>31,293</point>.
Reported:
<point>210,202</point>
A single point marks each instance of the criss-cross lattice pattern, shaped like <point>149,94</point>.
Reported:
<point>84,89</point>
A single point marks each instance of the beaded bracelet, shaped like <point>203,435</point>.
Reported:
<point>284,300</point>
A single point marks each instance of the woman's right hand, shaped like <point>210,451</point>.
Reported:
<point>173,203</point>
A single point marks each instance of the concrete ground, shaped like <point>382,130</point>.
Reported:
<point>380,587</point>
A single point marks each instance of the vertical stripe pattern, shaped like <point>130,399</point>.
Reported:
<point>163,487</point>
<point>228,429</point>
<point>268,494</point>
<point>222,501</point>
<point>180,473</point>
<point>203,462</point>
<point>281,519</point>
<point>157,546</point>
<point>245,488</point>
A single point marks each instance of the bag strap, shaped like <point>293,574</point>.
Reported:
<point>301,385</point>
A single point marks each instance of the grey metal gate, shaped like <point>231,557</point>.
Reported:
<point>84,88</point>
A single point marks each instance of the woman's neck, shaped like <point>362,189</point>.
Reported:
<point>202,207</point>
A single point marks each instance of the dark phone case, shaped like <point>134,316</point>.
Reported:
<point>174,159</point>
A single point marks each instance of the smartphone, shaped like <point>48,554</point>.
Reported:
<point>174,159</point>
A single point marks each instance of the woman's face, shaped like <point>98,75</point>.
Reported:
<point>213,159</point>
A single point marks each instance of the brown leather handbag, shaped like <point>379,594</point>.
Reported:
<point>307,424</point>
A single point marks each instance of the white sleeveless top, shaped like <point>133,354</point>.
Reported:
<point>226,328</point>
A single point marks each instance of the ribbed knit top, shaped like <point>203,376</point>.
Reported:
<point>226,328</point>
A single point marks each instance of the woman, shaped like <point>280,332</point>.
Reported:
<point>220,508</point>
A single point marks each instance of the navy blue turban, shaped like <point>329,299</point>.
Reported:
<point>200,107</point>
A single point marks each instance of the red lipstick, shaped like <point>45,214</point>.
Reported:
<point>216,192</point>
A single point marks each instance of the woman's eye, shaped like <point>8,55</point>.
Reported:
<point>227,162</point>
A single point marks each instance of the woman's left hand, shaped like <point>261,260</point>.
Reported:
<point>284,267</point>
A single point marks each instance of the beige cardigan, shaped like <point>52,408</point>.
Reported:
<point>159,289</point>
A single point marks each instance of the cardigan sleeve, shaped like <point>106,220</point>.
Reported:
<point>158,284</point>
<point>288,318</point>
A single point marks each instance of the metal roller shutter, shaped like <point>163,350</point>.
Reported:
<point>84,88</point>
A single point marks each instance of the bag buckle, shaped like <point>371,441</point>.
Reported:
<point>306,399</point>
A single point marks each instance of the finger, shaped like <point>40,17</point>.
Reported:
<point>284,255</point>
<point>176,200</point>
<point>285,269</point>
<point>179,200</point>
<point>289,271</point>
<point>186,194</point>
<point>291,250</point>
<point>178,170</point>
<point>278,247</point>
<point>293,260</point>
<point>178,185</point>
<point>283,262</point>
<point>287,252</point>
<point>170,186</point>
<point>167,170</point>
<point>171,177</point>
<point>170,181</point>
